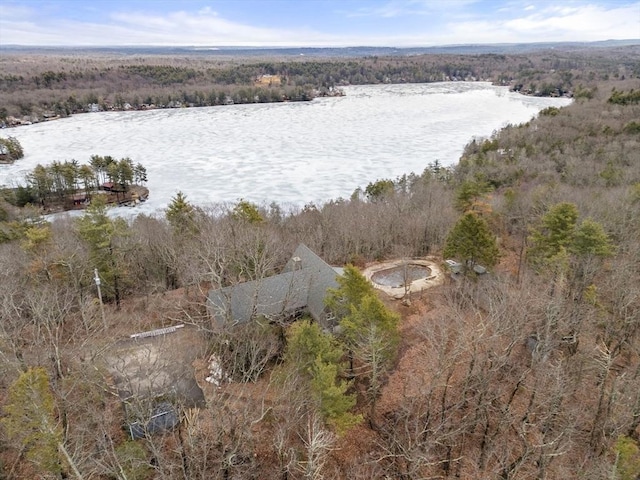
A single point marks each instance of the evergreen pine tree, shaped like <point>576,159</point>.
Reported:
<point>472,242</point>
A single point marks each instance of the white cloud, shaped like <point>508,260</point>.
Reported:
<point>403,8</point>
<point>126,28</point>
<point>15,11</point>
<point>207,11</point>
<point>587,23</point>
<point>510,23</point>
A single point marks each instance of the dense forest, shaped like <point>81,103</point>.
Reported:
<point>52,86</point>
<point>531,371</point>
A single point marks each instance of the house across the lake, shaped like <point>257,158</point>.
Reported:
<point>301,287</point>
<point>269,80</point>
<point>79,198</point>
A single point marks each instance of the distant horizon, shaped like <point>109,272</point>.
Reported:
<point>313,23</point>
<point>604,43</point>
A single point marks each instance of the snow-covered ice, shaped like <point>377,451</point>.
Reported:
<point>290,153</point>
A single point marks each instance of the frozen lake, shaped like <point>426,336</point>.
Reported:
<point>290,153</point>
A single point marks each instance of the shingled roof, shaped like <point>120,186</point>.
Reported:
<point>302,284</point>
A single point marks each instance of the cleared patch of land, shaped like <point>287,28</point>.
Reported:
<point>160,365</point>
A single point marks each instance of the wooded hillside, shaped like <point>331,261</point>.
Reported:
<point>36,86</point>
<point>530,371</point>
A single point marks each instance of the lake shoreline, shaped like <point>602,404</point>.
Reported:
<point>293,153</point>
<point>13,122</point>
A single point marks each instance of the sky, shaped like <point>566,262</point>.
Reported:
<point>313,23</point>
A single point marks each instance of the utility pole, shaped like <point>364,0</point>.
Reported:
<point>96,278</point>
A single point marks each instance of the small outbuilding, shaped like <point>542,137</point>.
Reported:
<point>79,198</point>
<point>164,418</point>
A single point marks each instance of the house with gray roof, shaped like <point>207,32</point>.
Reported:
<point>302,286</point>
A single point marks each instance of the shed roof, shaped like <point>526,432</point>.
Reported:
<point>163,418</point>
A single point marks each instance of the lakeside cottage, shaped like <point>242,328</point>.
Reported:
<point>80,198</point>
<point>270,80</point>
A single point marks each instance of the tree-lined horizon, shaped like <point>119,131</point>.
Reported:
<point>58,85</point>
